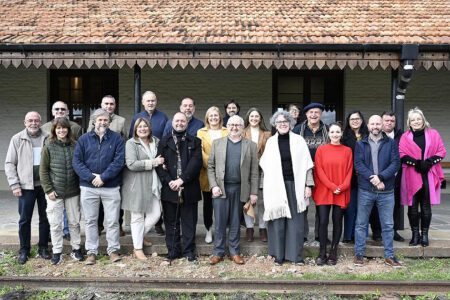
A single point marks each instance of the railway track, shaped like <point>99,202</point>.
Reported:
<point>412,288</point>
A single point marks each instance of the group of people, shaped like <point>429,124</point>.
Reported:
<point>159,171</point>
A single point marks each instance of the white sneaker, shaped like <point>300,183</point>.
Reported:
<point>208,237</point>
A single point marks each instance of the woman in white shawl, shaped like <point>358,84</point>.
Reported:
<point>288,180</point>
<point>141,189</point>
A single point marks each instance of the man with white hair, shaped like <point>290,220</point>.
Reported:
<point>98,160</point>
<point>233,177</point>
<point>22,171</point>
<point>60,110</point>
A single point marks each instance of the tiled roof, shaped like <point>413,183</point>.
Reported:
<point>225,21</point>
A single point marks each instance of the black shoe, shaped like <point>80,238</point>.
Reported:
<point>66,237</point>
<point>56,259</point>
<point>278,262</point>
<point>77,255</point>
<point>425,242</point>
<point>348,241</point>
<point>377,238</point>
<point>398,237</point>
<point>191,258</point>
<point>43,253</point>
<point>415,239</point>
<point>321,260</point>
<point>159,230</point>
<point>23,258</point>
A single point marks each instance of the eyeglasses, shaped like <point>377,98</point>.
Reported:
<point>282,122</point>
<point>59,108</point>
<point>234,125</point>
<point>355,119</point>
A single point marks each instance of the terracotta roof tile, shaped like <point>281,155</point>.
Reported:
<point>220,21</point>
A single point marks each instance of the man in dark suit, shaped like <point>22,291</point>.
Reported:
<point>233,177</point>
<point>180,191</point>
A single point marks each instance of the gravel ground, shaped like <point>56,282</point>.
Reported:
<point>261,267</point>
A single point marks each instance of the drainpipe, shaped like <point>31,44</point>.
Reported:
<point>137,88</point>
<point>410,53</point>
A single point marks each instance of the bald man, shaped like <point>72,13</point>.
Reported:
<point>22,171</point>
<point>376,162</point>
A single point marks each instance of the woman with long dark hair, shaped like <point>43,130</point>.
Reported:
<point>421,151</point>
<point>332,175</point>
<point>355,130</point>
<point>62,188</point>
<point>256,131</point>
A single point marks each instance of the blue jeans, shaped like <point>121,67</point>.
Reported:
<point>385,203</point>
<point>350,215</point>
<point>26,207</point>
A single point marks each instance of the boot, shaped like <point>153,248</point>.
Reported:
<point>263,235</point>
<point>332,258</point>
<point>249,234</point>
<point>415,239</point>
<point>424,240</point>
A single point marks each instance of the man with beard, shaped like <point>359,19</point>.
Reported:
<point>376,161</point>
<point>231,108</point>
<point>187,107</point>
<point>233,177</point>
<point>98,160</point>
<point>22,171</point>
<point>180,191</point>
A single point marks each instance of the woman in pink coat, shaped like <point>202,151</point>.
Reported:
<point>421,150</point>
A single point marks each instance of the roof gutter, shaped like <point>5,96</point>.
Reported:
<point>218,47</point>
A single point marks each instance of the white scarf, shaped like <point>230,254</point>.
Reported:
<point>275,197</point>
<point>150,150</point>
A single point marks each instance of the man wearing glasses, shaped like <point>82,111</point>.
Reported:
<point>22,171</point>
<point>60,110</point>
<point>233,177</point>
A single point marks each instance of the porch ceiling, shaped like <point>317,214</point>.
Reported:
<point>224,59</point>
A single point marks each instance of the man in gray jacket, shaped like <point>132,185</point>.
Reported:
<point>22,171</point>
<point>233,178</point>
<point>60,110</point>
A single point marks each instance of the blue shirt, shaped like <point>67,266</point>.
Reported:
<point>158,121</point>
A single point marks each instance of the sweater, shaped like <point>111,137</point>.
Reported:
<point>157,120</point>
<point>333,169</point>
<point>56,171</point>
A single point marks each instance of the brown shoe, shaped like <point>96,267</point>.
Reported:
<point>237,259</point>
<point>147,242</point>
<point>263,235</point>
<point>159,230</point>
<point>90,260</point>
<point>114,257</point>
<point>139,254</point>
<point>249,234</point>
<point>214,260</point>
<point>122,232</point>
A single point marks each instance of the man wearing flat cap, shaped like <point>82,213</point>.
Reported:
<point>315,133</point>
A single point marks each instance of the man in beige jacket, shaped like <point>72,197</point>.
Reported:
<point>22,171</point>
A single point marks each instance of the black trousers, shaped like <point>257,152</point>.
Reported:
<point>423,217</point>
<point>186,215</point>
<point>324,216</point>
<point>207,209</point>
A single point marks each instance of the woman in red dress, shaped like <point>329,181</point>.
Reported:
<point>332,175</point>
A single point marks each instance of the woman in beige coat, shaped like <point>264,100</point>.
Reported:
<point>213,130</point>
<point>141,190</point>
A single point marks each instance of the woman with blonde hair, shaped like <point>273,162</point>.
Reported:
<point>141,189</point>
<point>256,131</point>
<point>421,151</point>
<point>213,130</point>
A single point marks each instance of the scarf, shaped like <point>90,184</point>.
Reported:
<point>274,192</point>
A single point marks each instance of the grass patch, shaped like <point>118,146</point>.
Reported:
<point>10,266</point>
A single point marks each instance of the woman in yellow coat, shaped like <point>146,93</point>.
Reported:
<point>213,130</point>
